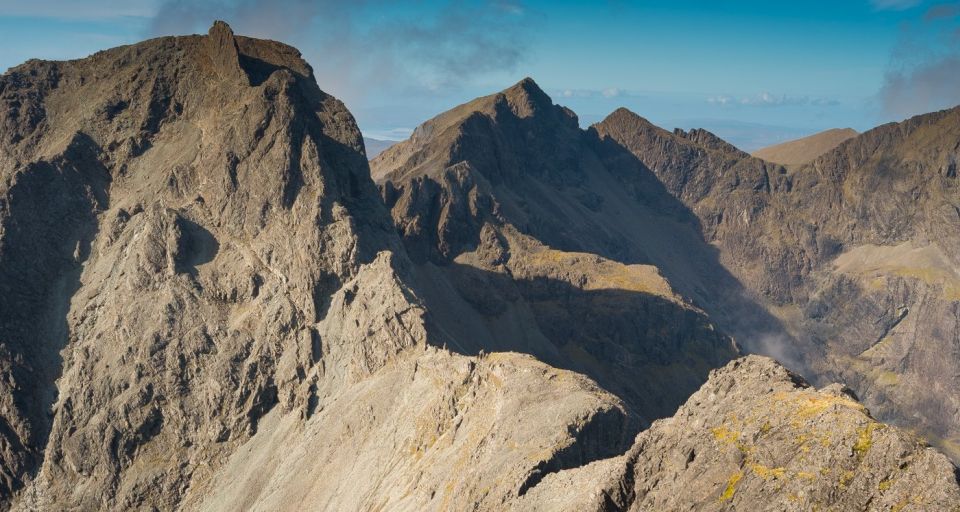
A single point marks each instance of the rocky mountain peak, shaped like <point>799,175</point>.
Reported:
<point>188,176</point>
<point>626,120</point>
<point>222,47</point>
<point>628,124</point>
<point>623,116</point>
<point>526,98</point>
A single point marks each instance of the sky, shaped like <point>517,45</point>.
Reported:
<point>754,72</point>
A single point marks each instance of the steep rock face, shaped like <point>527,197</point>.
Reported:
<point>754,437</point>
<point>725,188</point>
<point>172,217</point>
<point>453,164</point>
<point>546,252</point>
<point>855,253</point>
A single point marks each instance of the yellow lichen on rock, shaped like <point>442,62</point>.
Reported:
<point>731,486</point>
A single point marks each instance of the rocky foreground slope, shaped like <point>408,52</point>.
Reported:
<point>758,437</point>
<point>206,306</point>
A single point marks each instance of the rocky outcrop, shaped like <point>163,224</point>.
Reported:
<point>431,431</point>
<point>222,50</point>
<point>755,437</point>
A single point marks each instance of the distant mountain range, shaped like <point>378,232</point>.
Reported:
<point>806,149</point>
<point>744,135</point>
<point>376,146</point>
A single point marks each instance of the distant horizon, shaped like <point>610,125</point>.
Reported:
<point>745,135</point>
<point>752,72</point>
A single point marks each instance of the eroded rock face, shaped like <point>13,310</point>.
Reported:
<point>432,431</point>
<point>758,437</point>
<point>855,254</point>
<point>175,234</point>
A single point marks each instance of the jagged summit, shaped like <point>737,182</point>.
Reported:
<point>708,140</point>
<point>224,52</point>
<point>518,115</point>
<point>526,98</point>
<point>529,84</point>
<point>686,163</point>
<point>630,124</point>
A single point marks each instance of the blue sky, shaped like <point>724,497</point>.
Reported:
<point>752,71</point>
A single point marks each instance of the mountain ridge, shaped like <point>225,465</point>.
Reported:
<point>476,203</point>
<point>889,186</point>
<point>232,316</point>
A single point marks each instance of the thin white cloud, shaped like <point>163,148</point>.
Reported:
<point>766,99</point>
<point>609,92</point>
<point>352,48</point>
<point>894,5</point>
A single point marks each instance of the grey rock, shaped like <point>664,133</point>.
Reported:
<point>223,51</point>
<point>758,437</point>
